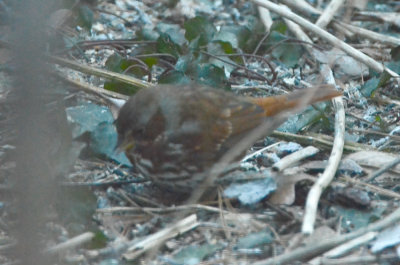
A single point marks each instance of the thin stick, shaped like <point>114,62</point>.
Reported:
<point>303,253</point>
<point>71,243</point>
<point>350,245</point>
<point>321,143</point>
<point>328,13</point>
<point>326,36</point>
<point>365,259</point>
<point>330,171</point>
<point>158,238</point>
<point>100,72</point>
<point>383,169</point>
<point>371,187</point>
<point>260,151</point>
<point>295,157</point>
<point>372,35</point>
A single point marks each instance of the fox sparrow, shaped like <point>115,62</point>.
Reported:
<point>174,134</point>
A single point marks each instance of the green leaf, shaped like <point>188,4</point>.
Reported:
<point>85,17</point>
<point>228,37</point>
<point>227,64</point>
<point>166,45</point>
<point>194,254</point>
<point>189,64</point>
<point>99,241</point>
<point>116,63</point>
<point>369,87</point>
<point>287,53</point>
<point>394,66</point>
<point>199,27</point>
<point>174,77</point>
<point>147,33</point>
<point>297,122</point>
<point>255,239</point>
<point>121,87</point>
<point>150,61</point>
<point>194,45</point>
<point>251,34</point>
<point>98,123</point>
<point>279,27</point>
<point>354,219</point>
<point>103,141</point>
<point>175,32</point>
<point>213,76</point>
<point>242,35</point>
<point>395,53</point>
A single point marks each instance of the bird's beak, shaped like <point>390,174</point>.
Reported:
<point>124,144</point>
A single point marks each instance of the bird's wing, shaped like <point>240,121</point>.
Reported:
<point>233,123</point>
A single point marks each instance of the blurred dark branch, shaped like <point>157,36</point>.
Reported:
<point>34,184</point>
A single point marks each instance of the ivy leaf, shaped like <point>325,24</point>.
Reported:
<point>175,32</point>
<point>199,27</point>
<point>174,77</point>
<point>85,17</point>
<point>227,64</point>
<point>116,63</point>
<point>228,37</point>
<point>166,45</point>
<point>287,53</point>
<point>213,76</point>
<point>395,54</point>
<point>369,87</point>
<point>195,254</point>
<point>147,33</point>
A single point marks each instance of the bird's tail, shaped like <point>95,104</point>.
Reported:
<point>275,104</point>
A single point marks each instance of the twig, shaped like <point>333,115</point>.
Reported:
<point>322,143</point>
<point>326,36</point>
<point>236,65</point>
<point>303,6</point>
<point>369,34</point>
<point>113,14</point>
<point>333,163</point>
<point>328,13</point>
<point>225,227</point>
<point>182,226</point>
<point>371,187</point>
<point>365,259</point>
<point>120,42</point>
<point>293,158</point>
<point>350,245</point>
<point>71,243</point>
<point>266,19</point>
<point>299,33</point>
<point>260,151</point>
<point>100,72</point>
<point>101,92</point>
<point>119,210</point>
<point>262,58</point>
<point>349,30</point>
<point>383,169</point>
<point>315,249</point>
<point>102,184</point>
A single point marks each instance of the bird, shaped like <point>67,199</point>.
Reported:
<point>174,134</point>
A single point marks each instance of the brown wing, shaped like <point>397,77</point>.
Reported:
<point>236,122</point>
<point>223,119</point>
